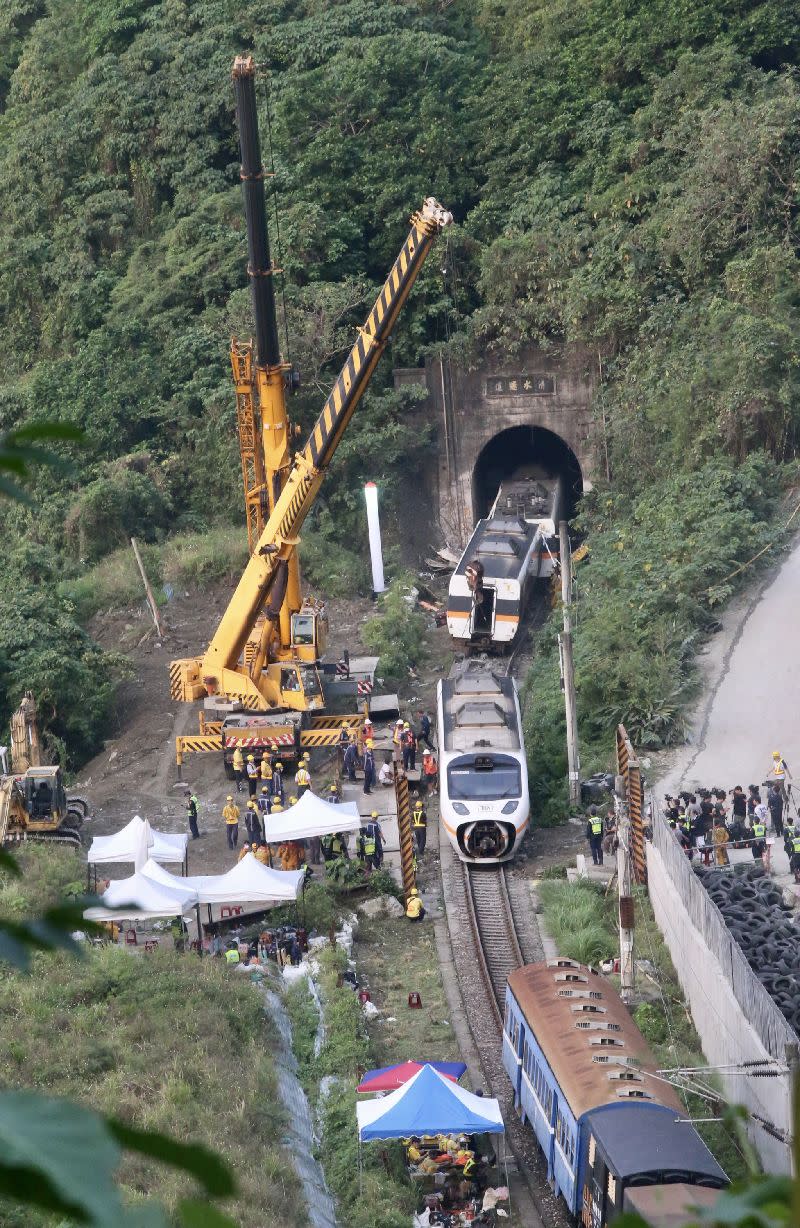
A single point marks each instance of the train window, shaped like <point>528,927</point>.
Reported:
<point>507,1021</point>
<point>634,1093</point>
<point>594,994</point>
<point>596,1058</point>
<point>562,963</point>
<point>592,1149</point>
<point>607,1041</point>
<point>612,1188</point>
<point>486,778</point>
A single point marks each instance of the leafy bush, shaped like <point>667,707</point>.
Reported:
<point>396,634</point>
<point>573,917</point>
<point>112,509</point>
<point>661,564</point>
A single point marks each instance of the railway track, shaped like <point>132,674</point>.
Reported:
<point>494,931</point>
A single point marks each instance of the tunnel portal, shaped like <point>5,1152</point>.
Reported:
<point>519,451</point>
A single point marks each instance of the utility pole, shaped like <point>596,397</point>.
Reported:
<point>568,666</point>
<point>626,915</point>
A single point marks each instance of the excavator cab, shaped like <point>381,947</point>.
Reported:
<point>45,797</point>
<point>309,633</point>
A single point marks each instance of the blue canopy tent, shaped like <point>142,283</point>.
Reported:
<point>428,1104</point>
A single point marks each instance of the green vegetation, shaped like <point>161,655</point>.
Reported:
<point>582,921</point>
<point>660,566</point>
<point>397,633</point>
<point>381,1195</point>
<point>624,179</point>
<point>163,1041</point>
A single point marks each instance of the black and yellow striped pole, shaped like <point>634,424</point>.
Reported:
<point>404,833</point>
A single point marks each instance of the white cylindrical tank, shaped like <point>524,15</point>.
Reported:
<point>374,527</point>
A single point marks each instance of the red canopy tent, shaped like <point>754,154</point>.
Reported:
<point>389,1078</point>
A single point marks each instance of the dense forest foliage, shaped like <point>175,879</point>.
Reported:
<point>625,178</point>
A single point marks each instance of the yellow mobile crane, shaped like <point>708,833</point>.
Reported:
<point>263,586</point>
<point>263,653</point>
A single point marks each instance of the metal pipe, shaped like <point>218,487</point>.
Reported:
<point>259,267</point>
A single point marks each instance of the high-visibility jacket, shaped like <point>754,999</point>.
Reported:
<point>414,906</point>
<point>302,778</point>
<point>337,845</point>
<point>232,956</point>
<point>397,736</point>
<point>796,844</point>
<point>788,830</point>
<point>759,830</point>
<point>252,770</point>
<point>596,826</point>
<point>231,813</point>
<point>419,817</point>
<point>779,769</point>
<point>266,769</point>
<point>369,844</point>
<point>430,766</point>
<point>326,843</point>
<point>238,760</point>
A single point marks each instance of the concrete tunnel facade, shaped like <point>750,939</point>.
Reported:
<point>533,411</point>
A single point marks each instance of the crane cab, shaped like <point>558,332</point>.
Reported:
<point>295,686</point>
<point>309,631</point>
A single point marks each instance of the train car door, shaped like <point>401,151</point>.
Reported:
<point>482,621</point>
<point>595,1184</point>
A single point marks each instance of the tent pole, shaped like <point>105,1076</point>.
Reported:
<point>199,933</point>
<point>505,1169</point>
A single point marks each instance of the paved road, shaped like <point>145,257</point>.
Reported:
<point>752,695</point>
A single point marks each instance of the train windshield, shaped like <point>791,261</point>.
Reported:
<point>484,778</point>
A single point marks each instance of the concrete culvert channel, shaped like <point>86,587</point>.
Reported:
<point>300,1140</point>
<point>763,927</point>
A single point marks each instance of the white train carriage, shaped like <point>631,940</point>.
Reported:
<point>513,546</point>
<point>483,773</point>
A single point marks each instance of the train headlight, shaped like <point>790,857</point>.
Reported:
<point>460,808</point>
<point>510,807</point>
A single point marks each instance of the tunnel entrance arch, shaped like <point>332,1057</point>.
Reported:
<point>524,450</point>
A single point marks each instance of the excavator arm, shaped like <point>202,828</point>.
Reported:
<point>263,584</point>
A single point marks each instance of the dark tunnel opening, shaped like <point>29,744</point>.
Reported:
<point>524,450</point>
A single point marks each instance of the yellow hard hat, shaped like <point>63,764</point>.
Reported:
<point>230,799</point>
<point>292,801</point>
<point>334,788</point>
<point>374,814</point>
<point>406,725</point>
<point>414,891</point>
<point>251,758</point>
<point>264,789</point>
<point>370,743</point>
<point>776,754</point>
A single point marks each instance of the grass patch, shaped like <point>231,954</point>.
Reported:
<point>185,560</point>
<point>168,1042</point>
<point>575,917</point>
<point>384,1195</point>
<point>582,921</point>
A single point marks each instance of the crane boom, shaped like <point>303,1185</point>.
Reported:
<point>263,583</point>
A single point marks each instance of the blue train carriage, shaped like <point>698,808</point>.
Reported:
<point>584,1080</point>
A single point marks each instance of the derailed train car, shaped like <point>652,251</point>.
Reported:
<point>483,775</point>
<point>516,544</point>
<point>613,1133</point>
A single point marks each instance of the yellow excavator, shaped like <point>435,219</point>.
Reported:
<point>263,654</point>
<point>34,804</point>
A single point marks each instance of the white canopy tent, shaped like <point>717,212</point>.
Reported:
<point>141,898</point>
<point>126,843</point>
<point>311,816</point>
<point>247,883</point>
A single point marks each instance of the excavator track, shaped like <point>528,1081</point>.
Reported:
<point>67,835</point>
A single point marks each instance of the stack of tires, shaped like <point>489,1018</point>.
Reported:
<point>765,930</point>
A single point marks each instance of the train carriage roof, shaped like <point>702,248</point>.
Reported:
<point>501,544</point>
<point>652,1143</point>
<point>595,1050</point>
<point>478,705</point>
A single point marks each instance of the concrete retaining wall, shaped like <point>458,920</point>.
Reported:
<point>735,1018</point>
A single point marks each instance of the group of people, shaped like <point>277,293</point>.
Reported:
<point>358,753</point>
<point>735,818</point>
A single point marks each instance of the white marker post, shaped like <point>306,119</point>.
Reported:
<point>374,527</point>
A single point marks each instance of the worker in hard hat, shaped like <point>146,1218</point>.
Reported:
<point>372,843</point>
<point>238,767</point>
<point>415,909</point>
<point>419,824</point>
<point>397,740</point>
<point>302,778</point>
<point>252,775</point>
<point>252,819</point>
<point>266,766</point>
<point>230,814</point>
<point>369,765</point>
<point>386,773</point>
<point>409,742</point>
<point>277,782</point>
<point>778,773</point>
